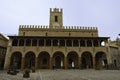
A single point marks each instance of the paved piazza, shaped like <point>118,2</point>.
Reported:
<point>89,74</point>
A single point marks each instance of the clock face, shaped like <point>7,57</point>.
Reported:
<point>56,25</point>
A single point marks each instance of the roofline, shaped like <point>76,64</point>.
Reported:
<point>4,37</point>
<point>54,37</point>
<point>114,47</point>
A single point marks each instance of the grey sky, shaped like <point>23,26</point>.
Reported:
<point>104,14</point>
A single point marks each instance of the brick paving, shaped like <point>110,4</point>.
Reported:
<point>89,74</point>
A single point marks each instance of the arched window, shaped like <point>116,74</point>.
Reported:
<point>69,43</point>
<point>34,42</point>
<point>95,43</point>
<point>21,42</point>
<point>15,42</point>
<point>41,42</point>
<point>75,43</point>
<point>62,42</point>
<point>82,43</point>
<point>28,42</point>
<point>48,42</point>
<point>55,43</point>
<point>89,43</point>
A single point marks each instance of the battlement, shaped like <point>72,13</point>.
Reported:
<point>32,26</point>
<point>64,27</point>
<point>56,10</point>
<point>80,27</point>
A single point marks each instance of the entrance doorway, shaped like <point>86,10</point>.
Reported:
<point>101,60</point>
<point>58,62</point>
<point>29,60</point>
<point>86,60</point>
<point>58,58</point>
<point>72,59</point>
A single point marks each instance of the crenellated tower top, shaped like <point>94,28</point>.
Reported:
<point>56,18</point>
<point>56,10</point>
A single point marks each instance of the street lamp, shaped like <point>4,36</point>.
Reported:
<point>118,41</point>
<point>119,50</point>
<point>119,34</point>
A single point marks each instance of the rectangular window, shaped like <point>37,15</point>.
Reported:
<point>56,18</point>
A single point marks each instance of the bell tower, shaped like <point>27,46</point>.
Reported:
<point>56,21</point>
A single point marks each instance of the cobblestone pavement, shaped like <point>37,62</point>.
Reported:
<point>89,74</point>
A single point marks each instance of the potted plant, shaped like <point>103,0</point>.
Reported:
<point>26,73</point>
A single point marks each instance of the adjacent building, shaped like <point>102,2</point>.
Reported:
<point>57,46</point>
<point>3,49</point>
<point>115,53</point>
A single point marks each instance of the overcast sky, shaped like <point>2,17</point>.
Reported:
<point>104,14</point>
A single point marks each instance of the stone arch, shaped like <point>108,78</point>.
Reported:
<point>58,60</point>
<point>15,61</point>
<point>101,60</point>
<point>29,60</point>
<point>43,60</point>
<point>86,60</point>
<point>72,59</point>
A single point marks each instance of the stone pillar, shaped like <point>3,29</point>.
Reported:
<point>85,43</point>
<point>65,43</point>
<point>92,43</point>
<point>51,43</point>
<point>94,65</point>
<point>36,62</point>
<point>18,42</point>
<point>30,42</point>
<point>8,56</point>
<point>22,63</point>
<point>99,43</point>
<point>44,42</point>
<point>79,42</point>
<point>51,63</point>
<point>79,62</point>
<point>65,63</point>
<point>72,43</point>
<point>7,62</point>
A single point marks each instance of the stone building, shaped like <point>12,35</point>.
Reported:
<point>3,49</point>
<point>114,47</point>
<point>57,46</point>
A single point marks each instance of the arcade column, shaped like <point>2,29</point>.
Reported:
<point>22,63</point>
